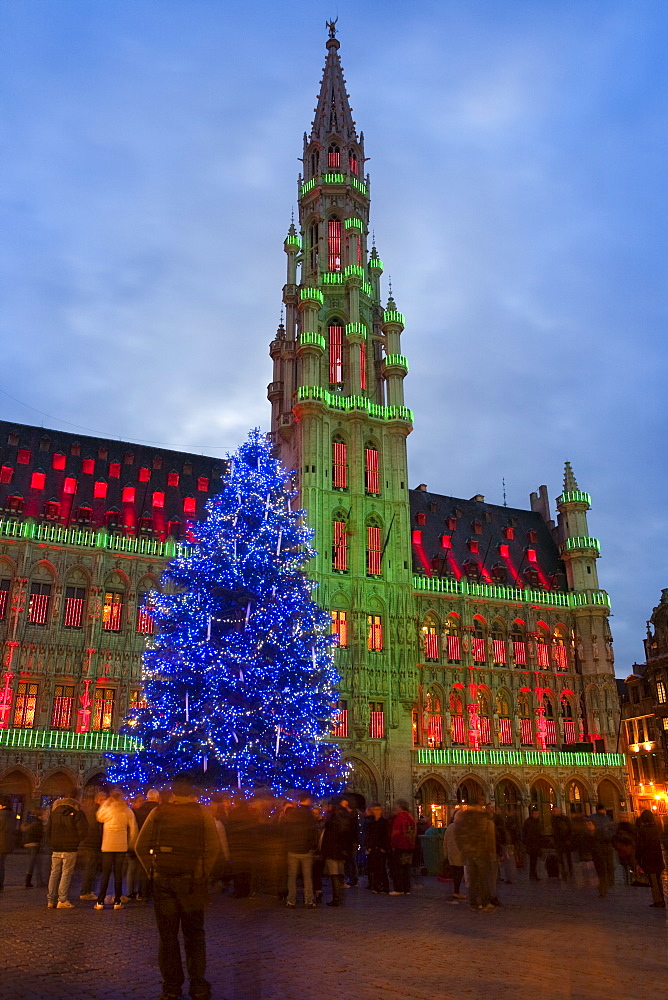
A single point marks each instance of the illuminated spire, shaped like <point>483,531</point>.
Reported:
<point>333,115</point>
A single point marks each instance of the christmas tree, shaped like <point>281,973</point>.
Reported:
<point>239,683</point>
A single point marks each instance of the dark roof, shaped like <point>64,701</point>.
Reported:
<point>467,522</point>
<point>25,450</point>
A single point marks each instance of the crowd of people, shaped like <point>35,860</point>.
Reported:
<point>173,847</point>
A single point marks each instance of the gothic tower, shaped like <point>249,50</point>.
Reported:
<point>339,420</point>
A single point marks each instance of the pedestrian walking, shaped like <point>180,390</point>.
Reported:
<point>624,843</point>
<point>119,832</point>
<point>337,844</point>
<point>562,832</point>
<point>301,840</point>
<point>178,846</point>
<point>403,835</point>
<point>66,828</point>
<point>532,838</point>
<point>377,849</point>
<point>474,833</point>
<point>650,856</point>
<point>33,835</point>
<point>7,825</point>
<point>91,847</point>
<point>455,858</point>
<point>602,850</point>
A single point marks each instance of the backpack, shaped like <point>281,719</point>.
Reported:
<point>177,847</point>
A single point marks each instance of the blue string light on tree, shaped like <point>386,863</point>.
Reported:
<point>239,682</point>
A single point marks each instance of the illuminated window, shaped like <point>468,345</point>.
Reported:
<point>335,354</point>
<point>458,725</point>
<point>52,509</point>
<point>559,650</point>
<point>374,640</point>
<point>158,499</point>
<point>451,523</point>
<point>144,474</point>
<point>531,555</point>
<point>26,704</point>
<point>498,646</point>
<point>14,504</point>
<point>5,586</point>
<point>340,720</point>
<point>446,541</point>
<point>6,474</point>
<point>473,545</point>
<point>453,640</point>
<point>40,599</point>
<point>532,537</point>
<point>103,709</point>
<point>203,484</point>
<point>371,471</point>
<point>128,495</point>
<point>172,479</point>
<point>333,158</point>
<point>313,244</point>
<point>509,533</point>
<point>526,732</point>
<point>517,637</point>
<point>63,701</point>
<point>74,607</point>
<point>114,470</point>
<point>112,611</point>
<point>660,692</point>
<point>100,490</point>
<point>479,650</point>
<point>23,456</point>
<point>376,720</point>
<point>504,550</point>
<point>434,720</point>
<point>334,245</point>
<point>363,367</point>
<point>354,163</point>
<point>542,651</point>
<point>430,641</point>
<point>505,731</point>
<point>339,464</point>
<point>340,627</point>
<point>112,518</point>
<point>58,461</point>
<point>145,522</point>
<point>145,623</point>
<point>70,485</point>
<point>340,546</point>
<point>189,505</point>
<point>37,481</point>
<point>137,700</point>
<point>373,550</point>
<point>88,466</point>
<point>420,518</point>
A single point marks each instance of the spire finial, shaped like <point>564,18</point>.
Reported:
<point>332,27</point>
<point>570,482</point>
<point>503,481</point>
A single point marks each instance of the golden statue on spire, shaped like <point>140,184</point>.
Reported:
<point>332,27</point>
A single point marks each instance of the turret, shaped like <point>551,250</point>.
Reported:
<point>578,549</point>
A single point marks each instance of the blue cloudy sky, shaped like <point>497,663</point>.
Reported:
<point>518,164</point>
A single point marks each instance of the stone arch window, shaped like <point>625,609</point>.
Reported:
<point>340,542</point>
<point>550,721</point>
<point>74,605</point>
<point>544,796</point>
<point>559,647</point>
<point>430,639</point>
<point>335,330</point>
<point>334,157</point>
<point>41,590</point>
<point>313,245</point>
<point>314,163</point>
<point>542,646</point>
<point>353,163</point>
<point>374,544</point>
<point>145,623</point>
<point>433,718</point>
<point>518,637</point>
<point>339,463</point>
<point>524,713</point>
<point>502,709</point>
<point>457,720</point>
<point>114,603</point>
<point>569,719</point>
<point>484,716</point>
<point>334,244</point>
<point>576,797</point>
<point>499,649</point>
<point>417,720</point>
<point>452,634</point>
<point>479,639</point>
<point>371,469</point>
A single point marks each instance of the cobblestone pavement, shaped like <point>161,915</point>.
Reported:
<point>547,941</point>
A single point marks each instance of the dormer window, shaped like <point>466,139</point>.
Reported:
<point>532,537</point>
<point>451,523</point>
<point>420,518</point>
<point>531,555</point>
<point>477,527</point>
<point>333,158</point>
<point>473,545</point>
<point>509,533</point>
<point>446,542</point>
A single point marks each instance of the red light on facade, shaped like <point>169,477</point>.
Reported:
<point>373,550</point>
<point>371,477</point>
<point>70,485</point>
<point>58,461</point>
<point>172,479</point>
<point>88,466</point>
<point>333,157</point>
<point>504,551</point>
<point>23,456</point>
<point>203,484</point>
<point>473,545</point>
<point>37,481</point>
<point>189,505</point>
<point>128,495</point>
<point>334,245</point>
<point>531,555</point>
<point>6,474</point>
<point>340,465</point>
<point>335,355</point>
<point>99,490</point>
<point>446,542</point>
<point>115,470</point>
<point>420,518</point>
<point>144,475</point>
<point>354,164</point>
<point>340,627</point>
<point>158,499</point>
<point>340,547</point>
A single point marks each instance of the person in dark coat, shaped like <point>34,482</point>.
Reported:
<point>562,831</point>
<point>65,830</point>
<point>91,847</point>
<point>338,844</point>
<point>532,838</point>
<point>300,830</point>
<point>624,843</point>
<point>241,827</point>
<point>33,835</point>
<point>7,826</point>
<point>377,849</point>
<point>650,856</point>
<point>602,852</point>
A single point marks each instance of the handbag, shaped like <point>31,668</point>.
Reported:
<point>639,877</point>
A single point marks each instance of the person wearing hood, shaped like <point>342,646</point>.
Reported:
<point>119,832</point>
<point>65,830</point>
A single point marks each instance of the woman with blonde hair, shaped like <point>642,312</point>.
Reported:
<point>119,833</point>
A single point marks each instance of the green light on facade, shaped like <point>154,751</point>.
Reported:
<point>582,542</point>
<point>376,264</point>
<point>396,359</point>
<point>353,328</point>
<point>54,739</point>
<point>354,224</point>
<point>575,496</point>
<point>312,294</point>
<point>367,289</point>
<point>392,316</point>
<point>517,758</point>
<point>293,241</point>
<point>348,403</point>
<point>497,592</point>
<point>312,340</point>
<point>54,534</point>
<point>361,187</point>
<point>308,186</point>
<point>332,278</point>
<point>354,270</point>
<point>333,179</point>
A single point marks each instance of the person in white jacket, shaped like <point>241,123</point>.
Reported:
<point>119,833</point>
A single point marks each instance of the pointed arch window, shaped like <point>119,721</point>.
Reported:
<point>339,628</point>
<point>354,163</point>
<point>371,470</point>
<point>339,464</point>
<point>333,157</point>
<point>335,354</point>
<point>559,649</point>
<point>479,651</point>
<point>430,640</point>
<point>524,712</point>
<point>362,365</point>
<point>498,645</point>
<point>518,639</point>
<point>334,245</point>
<point>374,642</point>
<point>505,722</point>
<point>458,724</point>
<point>484,720</point>
<point>313,237</point>
<point>373,550</point>
<point>434,719</point>
<point>5,587</point>
<point>75,599</point>
<point>314,164</point>
<point>340,546</point>
<point>542,648</point>
<point>550,722</point>
<point>453,640</point>
<point>568,722</point>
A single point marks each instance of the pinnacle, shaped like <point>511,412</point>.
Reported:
<point>570,482</point>
<point>333,115</point>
